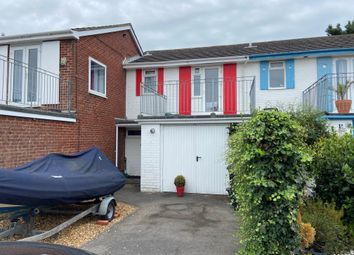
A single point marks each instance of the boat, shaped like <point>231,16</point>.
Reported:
<point>60,179</point>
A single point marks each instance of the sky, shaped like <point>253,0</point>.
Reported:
<point>166,24</point>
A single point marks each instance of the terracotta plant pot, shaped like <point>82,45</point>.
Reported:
<point>180,191</point>
<point>343,106</point>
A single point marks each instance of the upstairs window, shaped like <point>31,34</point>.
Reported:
<point>276,75</point>
<point>97,78</point>
<point>196,82</point>
<point>150,85</point>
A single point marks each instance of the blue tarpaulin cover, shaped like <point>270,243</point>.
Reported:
<point>60,179</point>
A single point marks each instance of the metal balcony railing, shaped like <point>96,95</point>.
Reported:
<point>323,95</point>
<point>24,86</point>
<point>198,97</point>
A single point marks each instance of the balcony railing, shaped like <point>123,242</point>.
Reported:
<point>324,94</point>
<point>201,97</point>
<point>25,86</point>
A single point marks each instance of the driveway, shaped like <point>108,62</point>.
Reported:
<point>166,224</point>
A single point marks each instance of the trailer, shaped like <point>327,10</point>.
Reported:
<point>22,217</point>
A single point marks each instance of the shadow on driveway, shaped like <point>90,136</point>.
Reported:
<point>166,224</point>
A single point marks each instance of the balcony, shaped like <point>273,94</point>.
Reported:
<point>331,93</point>
<point>25,86</point>
<point>198,98</point>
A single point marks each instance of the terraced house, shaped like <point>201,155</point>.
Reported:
<point>180,102</point>
<point>60,91</point>
<point>159,113</point>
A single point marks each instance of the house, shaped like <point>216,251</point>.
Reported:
<point>180,102</point>
<point>61,91</point>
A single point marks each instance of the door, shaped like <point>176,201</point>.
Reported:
<point>212,89</point>
<point>132,152</point>
<point>24,75</point>
<point>198,153</point>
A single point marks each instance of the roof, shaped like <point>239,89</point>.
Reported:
<point>246,49</point>
<point>73,33</point>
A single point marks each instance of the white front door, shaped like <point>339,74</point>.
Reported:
<point>198,153</point>
<point>132,152</point>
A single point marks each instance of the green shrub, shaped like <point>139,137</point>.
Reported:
<point>268,159</point>
<point>180,181</point>
<point>315,126</point>
<point>333,166</point>
<point>331,236</point>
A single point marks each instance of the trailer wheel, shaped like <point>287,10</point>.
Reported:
<point>111,209</point>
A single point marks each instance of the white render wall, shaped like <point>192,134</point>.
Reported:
<point>132,102</point>
<point>305,75</point>
<point>150,179</point>
<point>50,54</point>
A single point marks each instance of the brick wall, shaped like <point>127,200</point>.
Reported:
<point>95,122</point>
<point>24,139</point>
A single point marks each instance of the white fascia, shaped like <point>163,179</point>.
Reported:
<point>224,120</point>
<point>24,38</point>
<point>175,63</point>
<point>79,34</point>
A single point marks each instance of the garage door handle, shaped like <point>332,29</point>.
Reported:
<point>197,158</point>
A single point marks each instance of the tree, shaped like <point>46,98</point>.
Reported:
<point>337,30</point>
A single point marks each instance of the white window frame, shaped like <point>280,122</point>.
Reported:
<point>200,82</point>
<point>149,75</point>
<point>91,91</point>
<point>24,97</point>
<point>277,68</point>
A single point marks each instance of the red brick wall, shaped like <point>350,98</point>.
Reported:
<point>95,122</point>
<point>24,139</point>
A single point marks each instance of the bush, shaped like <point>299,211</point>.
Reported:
<point>331,236</point>
<point>315,126</point>
<point>180,181</point>
<point>307,233</point>
<point>333,166</point>
<point>268,158</point>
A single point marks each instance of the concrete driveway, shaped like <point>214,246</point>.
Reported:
<point>166,224</point>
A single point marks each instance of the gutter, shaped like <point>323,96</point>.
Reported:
<point>183,62</point>
<point>55,35</point>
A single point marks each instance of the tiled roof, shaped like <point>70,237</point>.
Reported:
<point>257,48</point>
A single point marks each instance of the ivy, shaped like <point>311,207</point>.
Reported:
<point>268,161</point>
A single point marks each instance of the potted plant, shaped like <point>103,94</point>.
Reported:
<point>180,181</point>
<point>343,105</point>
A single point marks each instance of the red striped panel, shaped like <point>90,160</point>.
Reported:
<point>230,92</point>
<point>185,88</point>
<point>160,81</point>
<point>139,78</point>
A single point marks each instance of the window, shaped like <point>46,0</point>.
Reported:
<point>196,82</point>
<point>133,132</point>
<point>97,78</point>
<point>276,75</point>
<point>150,81</point>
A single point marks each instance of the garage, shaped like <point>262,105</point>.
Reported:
<point>198,153</point>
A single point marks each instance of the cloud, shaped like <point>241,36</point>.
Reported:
<point>162,24</point>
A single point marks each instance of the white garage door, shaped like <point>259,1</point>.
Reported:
<point>198,153</point>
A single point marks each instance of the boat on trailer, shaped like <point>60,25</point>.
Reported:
<point>54,181</point>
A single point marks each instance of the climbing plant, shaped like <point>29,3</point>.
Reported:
<point>268,160</point>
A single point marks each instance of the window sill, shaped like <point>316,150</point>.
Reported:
<point>95,93</point>
<point>282,88</point>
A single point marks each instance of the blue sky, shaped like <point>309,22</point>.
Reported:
<point>162,24</point>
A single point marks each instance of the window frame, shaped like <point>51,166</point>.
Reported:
<point>277,68</point>
<point>156,77</point>
<point>91,91</point>
<point>200,81</point>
